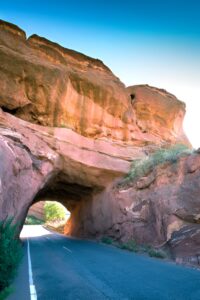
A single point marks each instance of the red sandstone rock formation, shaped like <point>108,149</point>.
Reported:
<point>69,130</point>
<point>46,84</point>
<point>160,209</point>
<point>158,113</point>
<point>37,210</point>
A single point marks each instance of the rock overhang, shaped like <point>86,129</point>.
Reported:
<point>69,128</point>
<point>47,84</point>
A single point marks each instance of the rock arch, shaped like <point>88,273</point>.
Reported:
<point>68,129</point>
<point>38,164</point>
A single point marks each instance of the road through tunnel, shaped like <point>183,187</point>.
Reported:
<point>76,198</point>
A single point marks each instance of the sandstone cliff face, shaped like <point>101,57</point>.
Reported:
<point>69,131</point>
<point>46,84</point>
<point>158,113</point>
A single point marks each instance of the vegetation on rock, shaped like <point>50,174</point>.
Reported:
<point>142,167</point>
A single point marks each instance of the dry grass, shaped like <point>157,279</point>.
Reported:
<point>143,167</point>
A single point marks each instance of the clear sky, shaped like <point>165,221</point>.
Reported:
<point>142,41</point>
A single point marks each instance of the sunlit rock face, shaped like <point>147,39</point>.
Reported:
<point>69,130</point>
<point>46,84</point>
<point>37,210</point>
<point>159,113</point>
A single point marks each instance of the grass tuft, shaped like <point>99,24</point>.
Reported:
<point>142,167</point>
<point>107,240</point>
<point>130,245</point>
<point>156,253</point>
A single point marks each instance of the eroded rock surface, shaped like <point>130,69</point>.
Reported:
<point>161,209</point>
<point>69,130</point>
<point>158,111</point>
<point>46,84</point>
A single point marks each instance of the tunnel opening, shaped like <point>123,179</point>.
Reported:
<point>76,199</point>
<point>51,214</point>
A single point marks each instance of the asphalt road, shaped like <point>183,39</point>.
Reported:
<point>70,269</point>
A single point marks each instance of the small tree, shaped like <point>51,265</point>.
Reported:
<point>54,211</point>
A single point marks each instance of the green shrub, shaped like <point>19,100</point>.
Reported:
<point>32,220</point>
<point>107,240</point>
<point>146,248</point>
<point>143,166</point>
<point>5,293</point>
<point>54,211</point>
<point>130,245</point>
<point>10,253</point>
<point>156,253</point>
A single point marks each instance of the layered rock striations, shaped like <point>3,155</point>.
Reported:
<point>46,84</point>
<point>69,130</point>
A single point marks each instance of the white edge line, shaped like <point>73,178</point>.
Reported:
<point>67,249</point>
<point>33,293</point>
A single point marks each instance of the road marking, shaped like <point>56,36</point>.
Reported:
<point>67,249</point>
<point>33,293</point>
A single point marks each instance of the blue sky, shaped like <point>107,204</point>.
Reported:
<point>144,41</point>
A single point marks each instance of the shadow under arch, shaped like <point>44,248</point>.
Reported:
<point>76,198</point>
